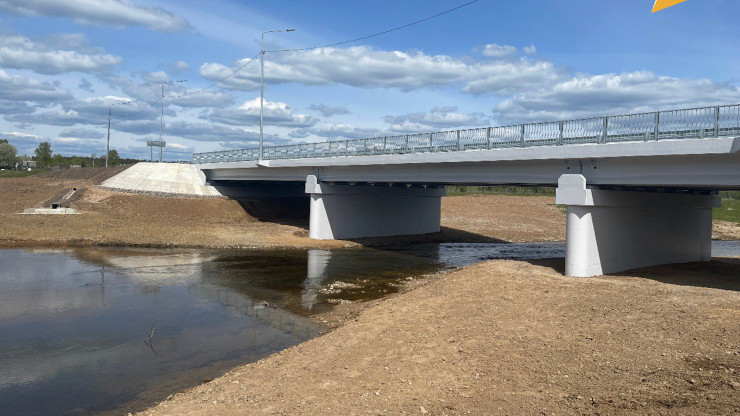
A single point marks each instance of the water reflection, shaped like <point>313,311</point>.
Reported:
<point>93,330</point>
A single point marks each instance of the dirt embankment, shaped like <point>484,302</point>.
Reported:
<point>114,218</point>
<point>507,337</point>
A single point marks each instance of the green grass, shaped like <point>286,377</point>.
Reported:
<point>20,173</point>
<point>729,211</point>
<point>500,190</point>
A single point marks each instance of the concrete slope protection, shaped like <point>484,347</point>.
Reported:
<point>162,178</point>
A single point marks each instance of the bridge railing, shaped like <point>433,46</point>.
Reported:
<point>660,125</point>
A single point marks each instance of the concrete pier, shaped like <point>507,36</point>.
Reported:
<point>611,231</point>
<point>354,211</point>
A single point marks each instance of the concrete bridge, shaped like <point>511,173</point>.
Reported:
<point>639,188</point>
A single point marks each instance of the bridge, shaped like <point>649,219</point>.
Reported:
<point>639,188</point>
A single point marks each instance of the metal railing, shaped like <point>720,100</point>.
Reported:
<point>699,123</point>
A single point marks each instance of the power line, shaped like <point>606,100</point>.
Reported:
<point>331,45</point>
<point>379,33</point>
<point>442,13</point>
<point>222,79</point>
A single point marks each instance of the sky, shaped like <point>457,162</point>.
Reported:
<point>65,63</point>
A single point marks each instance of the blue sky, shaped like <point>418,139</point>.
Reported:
<point>63,63</point>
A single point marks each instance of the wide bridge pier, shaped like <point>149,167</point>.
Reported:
<point>609,231</point>
<point>347,211</point>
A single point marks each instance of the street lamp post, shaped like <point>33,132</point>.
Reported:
<point>161,116</point>
<point>262,83</point>
<point>107,144</point>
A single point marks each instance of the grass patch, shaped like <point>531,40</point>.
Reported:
<point>20,173</point>
<point>729,211</point>
<point>500,190</point>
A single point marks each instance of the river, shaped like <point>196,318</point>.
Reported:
<point>89,331</point>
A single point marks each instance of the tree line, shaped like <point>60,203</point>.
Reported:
<point>45,157</point>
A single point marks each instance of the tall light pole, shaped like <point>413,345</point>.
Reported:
<point>161,116</point>
<point>107,144</point>
<point>262,82</point>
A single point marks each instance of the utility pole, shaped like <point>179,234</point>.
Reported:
<point>262,83</point>
<point>161,117</point>
<point>161,124</point>
<point>107,144</point>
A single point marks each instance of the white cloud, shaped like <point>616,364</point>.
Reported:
<point>342,131</point>
<point>328,111</point>
<point>16,87</point>
<point>530,50</point>
<point>494,50</point>
<point>117,13</point>
<point>366,67</point>
<point>179,67</point>
<point>275,113</point>
<point>195,99</point>
<point>20,52</point>
<point>595,95</point>
<point>437,118</point>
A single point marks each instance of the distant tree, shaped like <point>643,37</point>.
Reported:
<point>7,153</point>
<point>43,154</point>
<point>114,160</point>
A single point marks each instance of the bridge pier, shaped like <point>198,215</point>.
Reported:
<point>355,211</point>
<point>611,231</point>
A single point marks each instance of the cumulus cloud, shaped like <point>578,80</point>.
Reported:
<point>20,52</point>
<point>366,67</point>
<point>82,133</point>
<point>196,99</point>
<point>179,67</point>
<point>437,118</point>
<point>494,50</point>
<point>16,87</point>
<point>328,111</point>
<point>117,13</point>
<point>530,50</point>
<point>275,113</point>
<point>88,111</point>
<point>207,132</point>
<point>341,131</point>
<point>593,95</point>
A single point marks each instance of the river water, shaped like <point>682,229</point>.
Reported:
<point>88,331</point>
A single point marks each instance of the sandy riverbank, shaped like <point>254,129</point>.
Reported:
<point>507,337</point>
<point>115,218</point>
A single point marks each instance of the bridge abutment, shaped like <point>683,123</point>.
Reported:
<point>356,211</point>
<point>610,231</point>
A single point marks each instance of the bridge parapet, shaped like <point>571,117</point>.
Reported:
<point>718,121</point>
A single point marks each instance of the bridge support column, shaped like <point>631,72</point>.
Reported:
<point>346,211</point>
<point>611,231</point>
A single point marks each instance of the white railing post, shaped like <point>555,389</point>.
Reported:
<point>458,139</point>
<point>488,138</point>
<point>657,125</point>
<point>521,137</point>
<point>560,132</point>
<point>604,133</point>
<point>716,121</point>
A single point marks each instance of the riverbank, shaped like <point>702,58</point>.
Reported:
<point>506,337</point>
<point>111,218</point>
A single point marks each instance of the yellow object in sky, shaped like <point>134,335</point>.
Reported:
<point>664,4</point>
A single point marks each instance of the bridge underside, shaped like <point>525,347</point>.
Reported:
<point>650,204</point>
